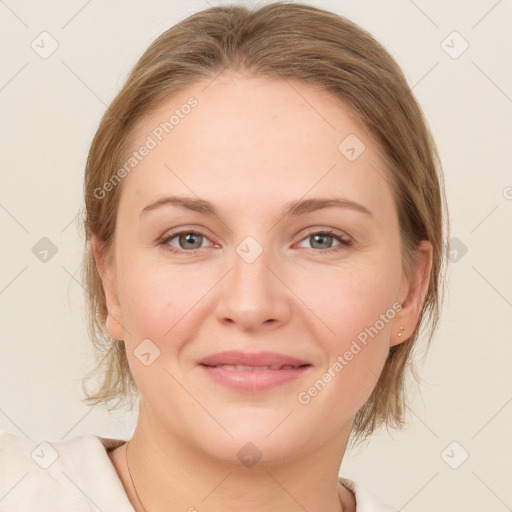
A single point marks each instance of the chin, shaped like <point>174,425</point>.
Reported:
<point>262,441</point>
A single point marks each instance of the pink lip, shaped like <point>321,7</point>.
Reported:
<point>252,380</point>
<point>237,357</point>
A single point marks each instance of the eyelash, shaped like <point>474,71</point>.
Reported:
<point>344,242</point>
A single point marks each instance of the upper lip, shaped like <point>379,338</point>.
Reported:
<point>239,358</point>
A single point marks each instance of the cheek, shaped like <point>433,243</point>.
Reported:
<point>348,299</point>
<point>159,308</point>
<point>355,310</point>
<point>163,302</point>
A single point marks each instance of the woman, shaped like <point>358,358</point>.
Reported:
<point>264,241</point>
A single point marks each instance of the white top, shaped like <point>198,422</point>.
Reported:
<point>77,475</point>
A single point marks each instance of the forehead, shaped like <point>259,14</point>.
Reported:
<point>261,138</point>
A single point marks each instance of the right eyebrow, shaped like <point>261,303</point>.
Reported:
<point>189,203</point>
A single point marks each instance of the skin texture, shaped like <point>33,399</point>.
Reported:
<point>250,146</point>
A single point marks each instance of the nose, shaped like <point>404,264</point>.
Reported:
<point>254,295</point>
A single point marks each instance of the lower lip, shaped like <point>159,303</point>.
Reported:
<point>257,380</point>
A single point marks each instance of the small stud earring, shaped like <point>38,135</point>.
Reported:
<point>400,333</point>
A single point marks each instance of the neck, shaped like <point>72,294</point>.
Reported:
<point>164,470</point>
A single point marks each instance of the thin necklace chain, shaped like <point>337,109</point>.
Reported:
<point>137,494</point>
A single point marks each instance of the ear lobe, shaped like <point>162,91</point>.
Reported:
<point>114,320</point>
<point>412,305</point>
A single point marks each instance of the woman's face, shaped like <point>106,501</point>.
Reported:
<point>250,260</point>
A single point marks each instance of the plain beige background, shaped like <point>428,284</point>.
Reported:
<point>50,108</point>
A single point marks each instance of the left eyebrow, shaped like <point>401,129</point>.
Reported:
<point>296,208</point>
<point>292,209</point>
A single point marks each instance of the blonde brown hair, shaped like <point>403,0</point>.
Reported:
<point>279,40</point>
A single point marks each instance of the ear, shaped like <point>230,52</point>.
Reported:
<point>114,322</point>
<point>412,295</point>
